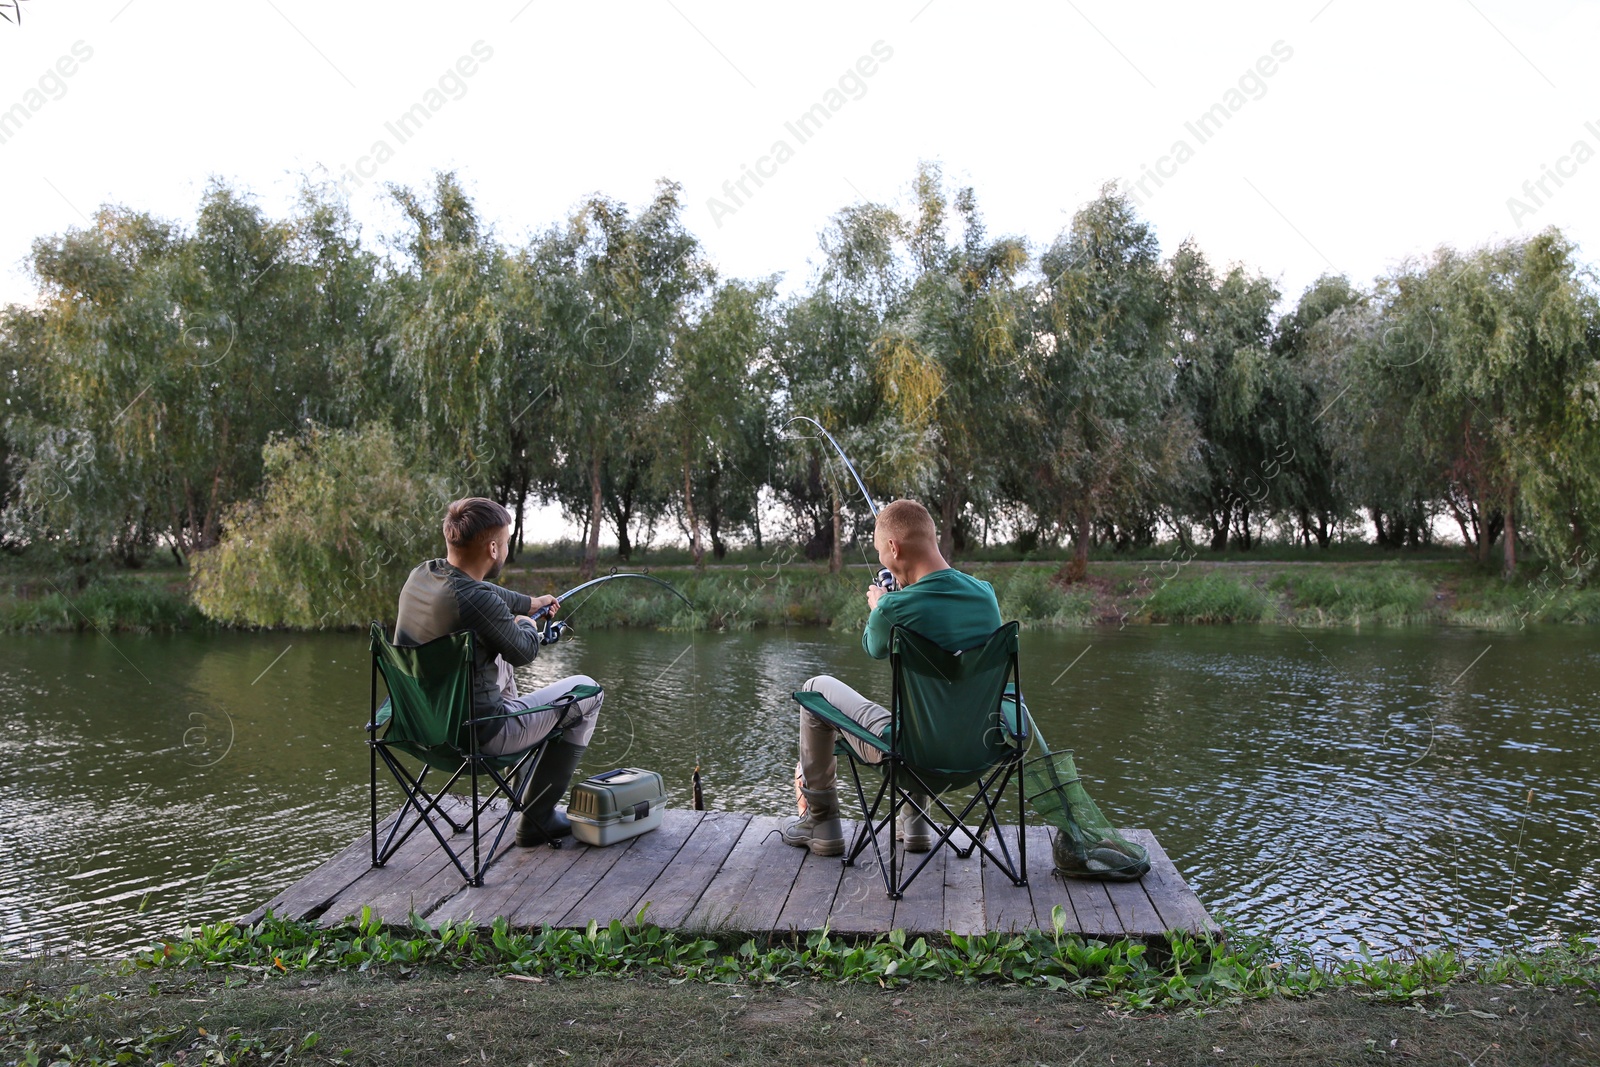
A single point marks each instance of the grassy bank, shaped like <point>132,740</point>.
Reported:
<point>134,602</point>
<point>780,589</point>
<point>1309,593</point>
<point>280,992</point>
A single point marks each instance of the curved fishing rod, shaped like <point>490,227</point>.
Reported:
<point>851,467</point>
<point>885,578</point>
<point>553,630</point>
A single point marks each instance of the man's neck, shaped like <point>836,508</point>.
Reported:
<point>923,568</point>
<point>475,572</point>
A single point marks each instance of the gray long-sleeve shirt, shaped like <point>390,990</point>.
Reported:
<point>440,599</point>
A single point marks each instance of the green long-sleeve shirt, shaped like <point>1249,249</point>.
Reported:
<point>949,608</point>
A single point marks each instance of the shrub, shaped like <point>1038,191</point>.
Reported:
<point>343,517</point>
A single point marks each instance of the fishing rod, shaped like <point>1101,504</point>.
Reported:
<point>851,467</point>
<point>552,630</point>
<point>885,579</point>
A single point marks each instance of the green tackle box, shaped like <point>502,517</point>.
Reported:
<point>616,805</point>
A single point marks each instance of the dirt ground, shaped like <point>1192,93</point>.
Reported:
<point>476,1017</point>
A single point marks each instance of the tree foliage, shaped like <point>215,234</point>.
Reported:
<point>216,388</point>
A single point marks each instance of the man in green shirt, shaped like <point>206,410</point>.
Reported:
<point>952,609</point>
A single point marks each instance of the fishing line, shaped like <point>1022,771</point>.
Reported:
<point>885,579</point>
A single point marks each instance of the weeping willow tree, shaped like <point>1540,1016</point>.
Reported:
<point>715,396</point>
<point>618,290</point>
<point>1101,374</point>
<point>466,345</point>
<point>827,369</point>
<point>342,517</point>
<point>163,358</point>
<point>949,353</point>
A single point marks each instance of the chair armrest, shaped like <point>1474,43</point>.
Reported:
<point>381,717</point>
<point>1014,716</point>
<point>818,705</point>
<point>570,697</point>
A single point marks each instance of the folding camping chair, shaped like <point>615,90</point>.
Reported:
<point>954,724</point>
<point>428,716</point>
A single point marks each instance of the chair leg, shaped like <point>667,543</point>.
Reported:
<point>1022,829</point>
<point>895,795</point>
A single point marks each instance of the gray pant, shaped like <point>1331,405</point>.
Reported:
<point>577,719</point>
<point>818,764</point>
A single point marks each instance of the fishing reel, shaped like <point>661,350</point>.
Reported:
<point>552,631</point>
<point>886,580</point>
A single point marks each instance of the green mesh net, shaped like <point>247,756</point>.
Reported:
<point>1086,844</point>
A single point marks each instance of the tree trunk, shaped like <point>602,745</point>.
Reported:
<point>1083,523</point>
<point>695,550</point>
<point>591,552</point>
<point>836,555</point>
<point>516,536</point>
<point>1509,571</point>
<point>947,524</point>
<point>719,548</point>
<point>1241,528</point>
<point>1219,527</point>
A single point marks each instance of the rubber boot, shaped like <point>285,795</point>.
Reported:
<point>541,823</point>
<point>915,830</point>
<point>819,828</point>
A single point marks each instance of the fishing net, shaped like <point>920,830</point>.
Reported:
<point>1086,844</point>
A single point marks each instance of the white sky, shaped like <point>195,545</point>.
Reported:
<point>1391,129</point>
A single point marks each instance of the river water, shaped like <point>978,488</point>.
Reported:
<point>1389,789</point>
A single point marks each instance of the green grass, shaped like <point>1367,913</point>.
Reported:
<point>1342,595</point>
<point>279,992</point>
<point>1185,972</point>
<point>1207,597</point>
<point>117,602</point>
<point>778,588</point>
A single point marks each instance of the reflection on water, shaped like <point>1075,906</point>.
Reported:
<point>1387,788</point>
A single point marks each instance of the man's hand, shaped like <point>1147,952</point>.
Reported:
<point>874,594</point>
<point>541,601</point>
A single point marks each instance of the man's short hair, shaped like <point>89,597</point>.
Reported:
<point>909,523</point>
<point>470,518</point>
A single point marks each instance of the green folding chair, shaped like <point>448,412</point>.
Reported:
<point>428,716</point>
<point>953,725</point>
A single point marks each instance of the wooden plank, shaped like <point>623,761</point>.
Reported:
<point>446,883</point>
<point>861,904</point>
<point>963,894</point>
<point>619,893</point>
<point>728,870</point>
<point>1174,901</point>
<point>1134,910</point>
<point>673,895</point>
<point>921,909</point>
<point>749,892</point>
<point>434,879</point>
<point>516,875</point>
<point>1048,888</point>
<point>1097,916</point>
<point>548,903</point>
<point>318,887</point>
<point>772,884</point>
<point>1008,907</point>
<point>811,896</point>
<point>421,849</point>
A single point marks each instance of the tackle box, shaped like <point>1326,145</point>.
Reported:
<point>616,805</point>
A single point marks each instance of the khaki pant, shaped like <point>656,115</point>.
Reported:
<point>818,765</point>
<point>519,733</point>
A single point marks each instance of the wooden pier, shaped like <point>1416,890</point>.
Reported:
<point>724,872</point>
